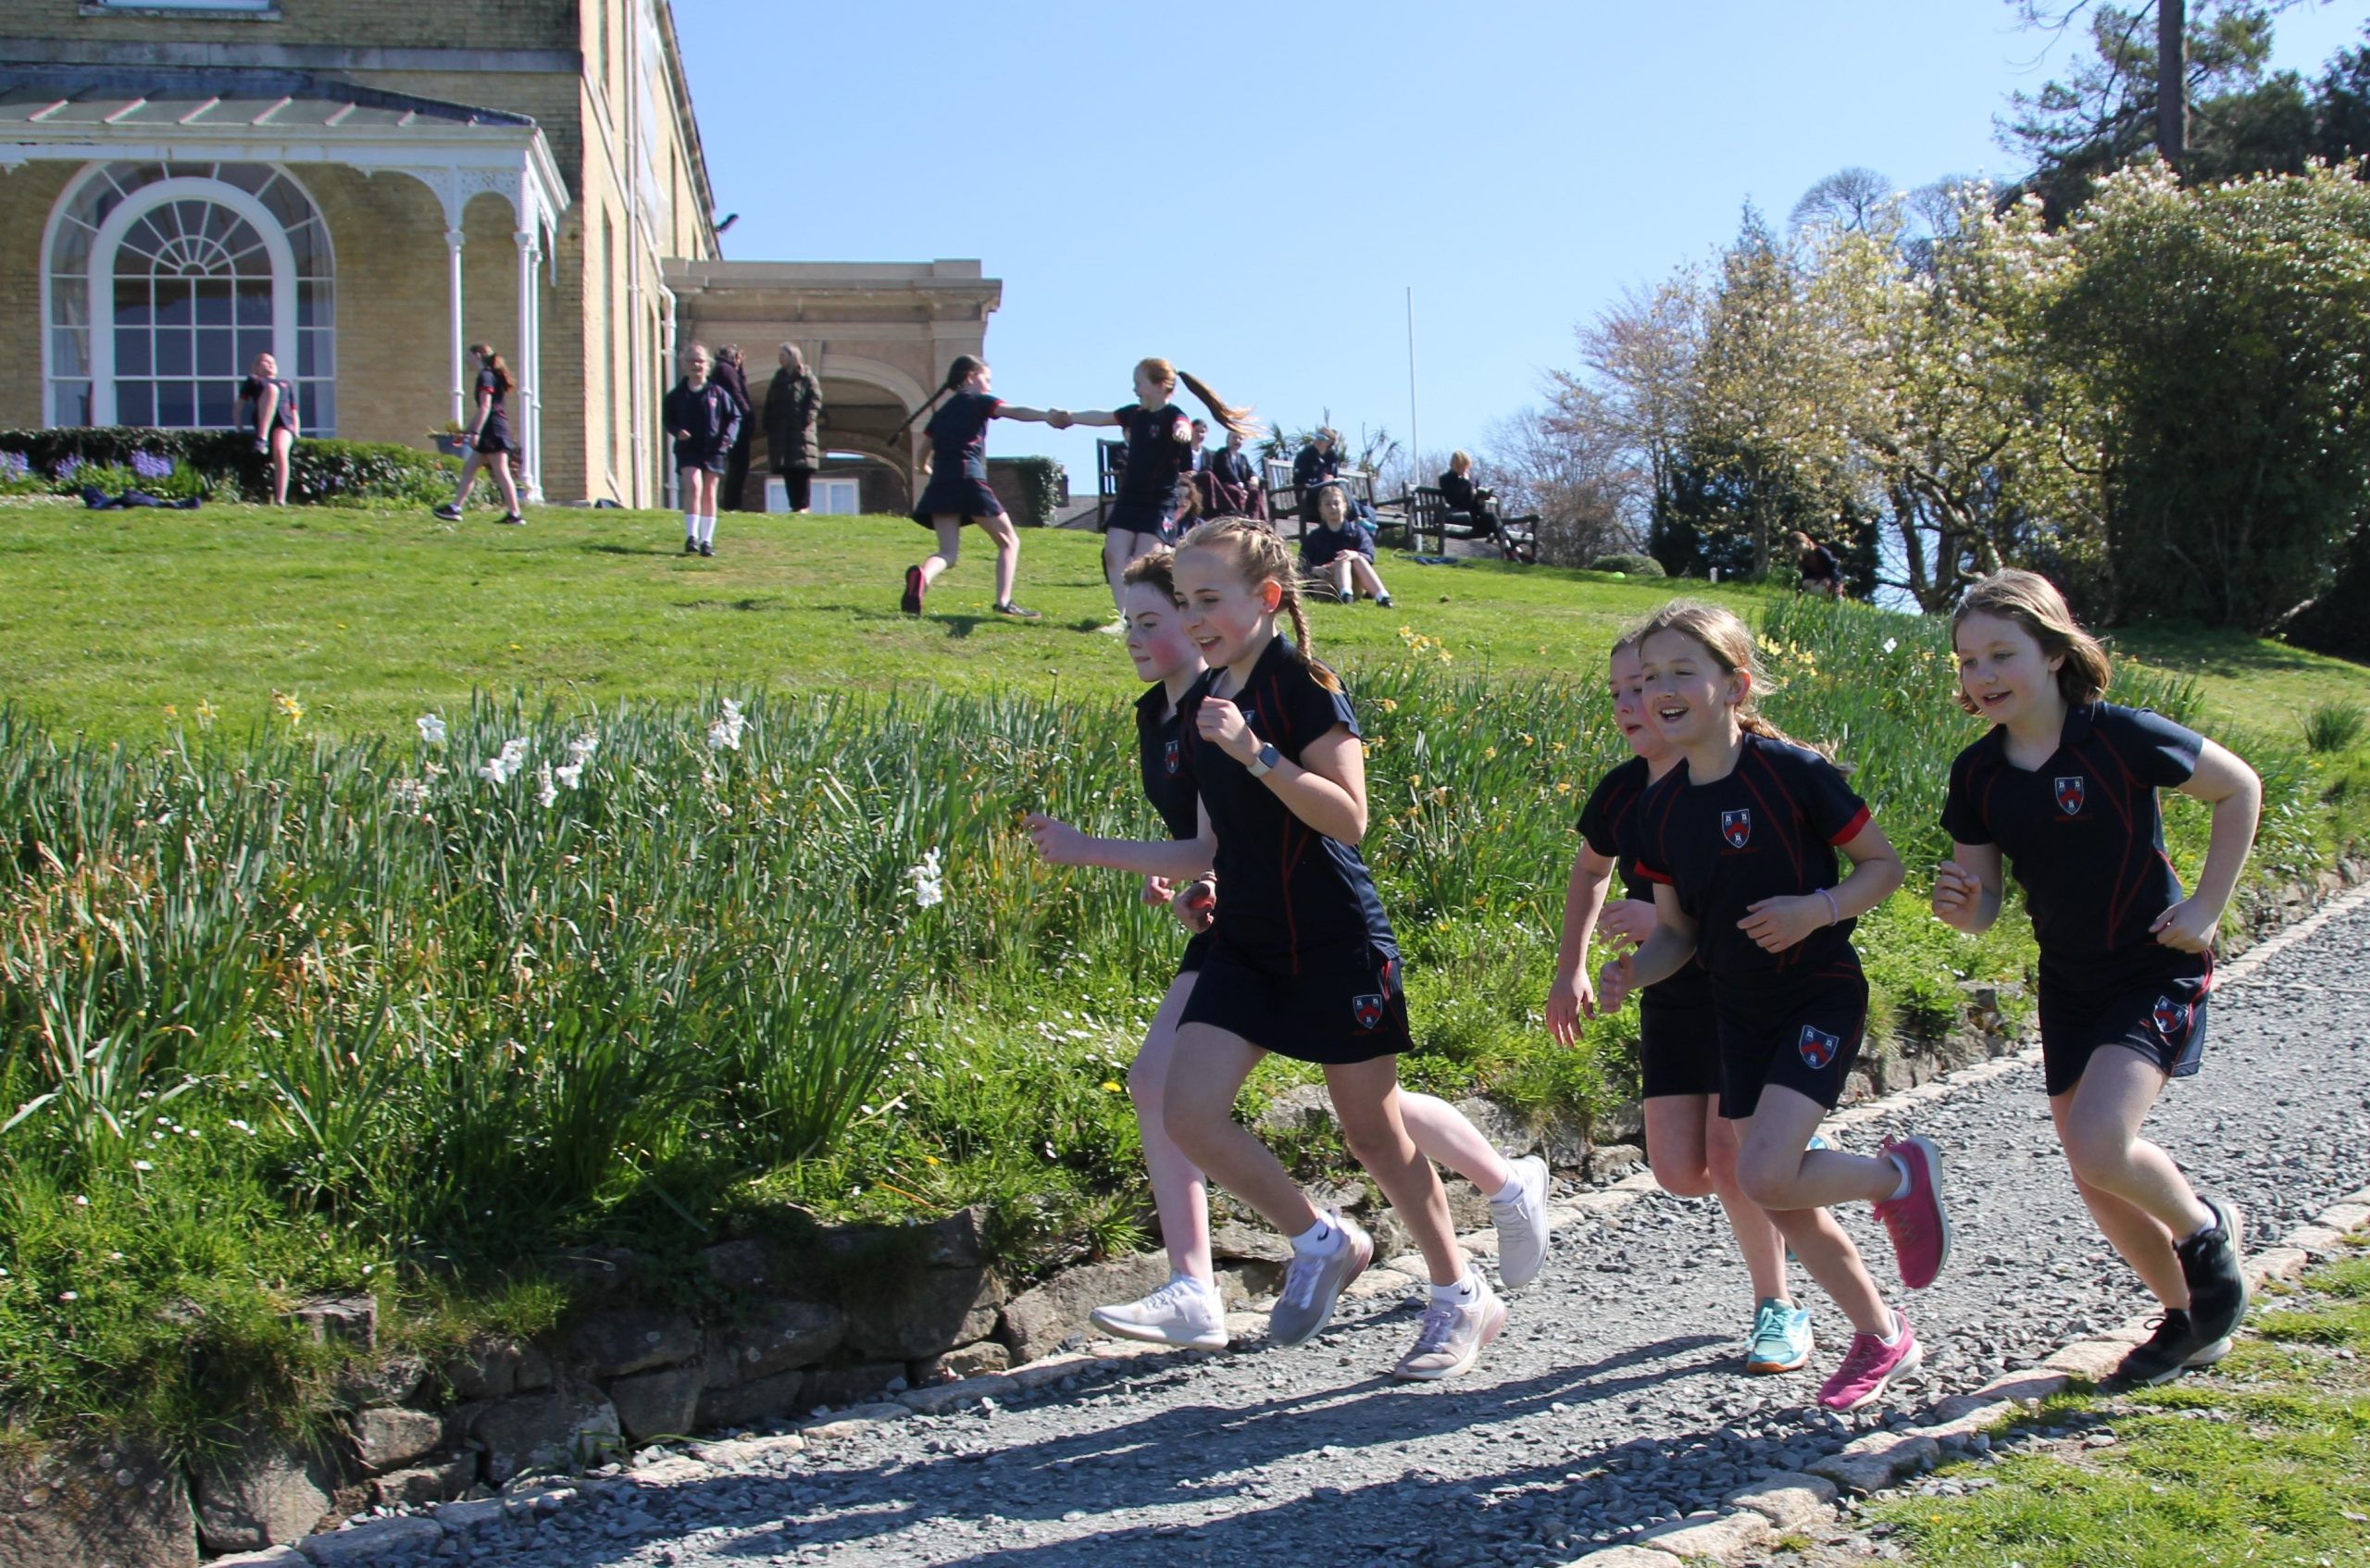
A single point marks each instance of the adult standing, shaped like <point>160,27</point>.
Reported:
<point>272,404</point>
<point>704,421</point>
<point>733,374</point>
<point>793,406</point>
<point>1317,464</point>
<point>488,439</point>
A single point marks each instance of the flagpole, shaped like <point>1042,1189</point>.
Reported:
<point>1415,439</point>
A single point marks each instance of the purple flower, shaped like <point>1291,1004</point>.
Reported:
<point>14,465</point>
<point>65,468</point>
<point>149,465</point>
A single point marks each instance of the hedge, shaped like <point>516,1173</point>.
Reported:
<point>1629,565</point>
<point>320,471</point>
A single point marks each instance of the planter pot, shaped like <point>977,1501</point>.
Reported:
<point>453,445</point>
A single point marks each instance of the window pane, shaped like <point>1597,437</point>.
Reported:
<point>69,403</point>
<point>173,352</point>
<point>174,307</point>
<point>314,307</point>
<point>313,353</point>
<point>214,351</point>
<point>317,403</point>
<point>175,405</point>
<point>131,352</point>
<point>216,402</point>
<point>135,403</point>
<point>132,302</point>
<point>213,302</point>
<point>67,351</point>
<point>253,297</point>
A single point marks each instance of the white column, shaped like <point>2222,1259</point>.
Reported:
<point>453,290</point>
<point>531,368</point>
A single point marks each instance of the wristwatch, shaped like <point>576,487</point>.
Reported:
<point>1263,760</point>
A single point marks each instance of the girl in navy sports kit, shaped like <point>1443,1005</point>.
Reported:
<point>1159,458</point>
<point>272,402</point>
<point>1301,960</point>
<point>2065,786</point>
<point>1187,1311</point>
<point>1692,1150</point>
<point>705,420</point>
<point>1741,839</point>
<point>488,439</point>
<point>958,493</point>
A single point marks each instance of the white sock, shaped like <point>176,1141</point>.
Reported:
<point>1206,1288</point>
<point>1322,1239</point>
<point>1512,1188</point>
<point>1463,1292</point>
<point>691,527</point>
<point>1893,1338</point>
<point>1903,1166</point>
<point>707,529</point>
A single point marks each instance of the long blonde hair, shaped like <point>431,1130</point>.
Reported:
<point>1260,554</point>
<point>1161,373</point>
<point>1719,633</point>
<point>2031,600</point>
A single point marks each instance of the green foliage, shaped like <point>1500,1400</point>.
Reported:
<point>344,472</point>
<point>2336,725</point>
<point>1627,566</point>
<point>1043,484</point>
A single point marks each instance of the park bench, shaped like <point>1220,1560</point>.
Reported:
<point>1284,512</point>
<point>1429,514</point>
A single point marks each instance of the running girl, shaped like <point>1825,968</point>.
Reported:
<point>1301,959</point>
<point>1159,456</point>
<point>1691,1148</point>
<point>958,493</point>
<point>2064,784</point>
<point>1187,1311</point>
<point>705,420</point>
<point>273,404</point>
<point>1740,839</point>
<point>488,438</point>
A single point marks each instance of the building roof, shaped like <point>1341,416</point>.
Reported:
<point>163,97</point>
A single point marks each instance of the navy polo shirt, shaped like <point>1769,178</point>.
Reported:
<point>1160,749</point>
<point>1155,458</point>
<point>1769,829</point>
<point>958,435</point>
<point>2084,838</point>
<point>1285,888</point>
<point>1609,822</point>
<point>1312,467</point>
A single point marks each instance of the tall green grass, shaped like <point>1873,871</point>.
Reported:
<point>279,1016</point>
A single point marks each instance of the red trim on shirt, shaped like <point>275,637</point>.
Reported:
<point>1650,874</point>
<point>1851,829</point>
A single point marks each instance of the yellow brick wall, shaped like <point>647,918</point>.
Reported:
<point>26,197</point>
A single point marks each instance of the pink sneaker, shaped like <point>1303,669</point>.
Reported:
<point>1920,1226</point>
<point>1870,1367</point>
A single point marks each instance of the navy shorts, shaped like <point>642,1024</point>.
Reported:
<point>1195,952</point>
<point>1128,514</point>
<point>2163,1020</point>
<point>1678,1044</point>
<point>1335,1004</point>
<point>956,496</point>
<point>1804,1035</point>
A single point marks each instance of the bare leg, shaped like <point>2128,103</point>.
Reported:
<point>1179,1193</point>
<point>281,441</point>
<point>1779,1171</point>
<point>1337,575</point>
<point>1207,1068</point>
<point>469,466</point>
<point>1763,1249</point>
<point>1366,1098</point>
<point>1442,1131</point>
<point>950,546</point>
<point>1676,1140</point>
<point>500,463</point>
<point>1368,580</point>
<point>1007,539</point>
<point>2143,1203</point>
<point>1118,549</point>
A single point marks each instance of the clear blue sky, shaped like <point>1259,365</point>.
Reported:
<point>1249,190</point>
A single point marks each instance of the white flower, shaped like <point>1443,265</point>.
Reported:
<point>545,790</point>
<point>500,769</point>
<point>724,735</point>
<point>929,886</point>
<point>580,750</point>
<point>409,793</point>
<point>568,775</point>
<point>141,1166</point>
<point>431,730</point>
<point>1890,644</point>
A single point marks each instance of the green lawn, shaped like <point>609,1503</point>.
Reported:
<point>2250,682</point>
<point>369,617</point>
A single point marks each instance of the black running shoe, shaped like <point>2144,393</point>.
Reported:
<point>2217,1285</point>
<point>449,511</point>
<point>916,586</point>
<point>691,546</point>
<point>511,519</point>
<point>707,547</point>
<point>2175,1347</point>
<point>1017,613</point>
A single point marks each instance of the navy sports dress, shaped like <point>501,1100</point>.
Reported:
<point>283,417</point>
<point>958,468</point>
<point>713,418</point>
<point>2086,840</point>
<point>1301,959</point>
<point>1679,1042</point>
<point>494,434</point>
<point>1769,829</point>
<point>1168,784</point>
<point>1156,466</point>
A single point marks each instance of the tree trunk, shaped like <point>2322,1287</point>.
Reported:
<point>2172,81</point>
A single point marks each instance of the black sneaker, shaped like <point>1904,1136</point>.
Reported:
<point>1017,613</point>
<point>2175,1347</point>
<point>2217,1286</point>
<point>707,547</point>
<point>691,546</point>
<point>1383,601</point>
<point>511,519</point>
<point>449,511</point>
<point>916,586</point>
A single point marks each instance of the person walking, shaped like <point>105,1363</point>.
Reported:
<point>731,374</point>
<point>488,439</point>
<point>794,405</point>
<point>704,421</point>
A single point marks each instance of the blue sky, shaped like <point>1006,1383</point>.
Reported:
<point>1249,190</point>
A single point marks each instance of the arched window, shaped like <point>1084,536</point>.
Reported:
<point>165,281</point>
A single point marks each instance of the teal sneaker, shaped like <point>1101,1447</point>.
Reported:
<point>1782,1339</point>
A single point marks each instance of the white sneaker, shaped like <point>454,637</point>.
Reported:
<point>1453,1332</point>
<point>1113,628</point>
<point>1521,1218</point>
<point>1313,1282</point>
<point>1184,1312</point>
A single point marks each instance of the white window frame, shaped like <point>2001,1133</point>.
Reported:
<point>825,488</point>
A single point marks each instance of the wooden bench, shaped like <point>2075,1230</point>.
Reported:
<point>1429,513</point>
<point>1284,502</point>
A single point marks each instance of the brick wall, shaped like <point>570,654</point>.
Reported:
<point>26,197</point>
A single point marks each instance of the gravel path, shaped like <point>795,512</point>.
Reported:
<point>1613,1400</point>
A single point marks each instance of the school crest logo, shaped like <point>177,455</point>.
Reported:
<point>2170,1017</point>
<point>1818,1047</point>
<point>1735,827</point>
<point>1175,757</point>
<point>1367,1010</point>
<point>2069,794</point>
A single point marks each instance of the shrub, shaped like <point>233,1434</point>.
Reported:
<point>1041,483</point>
<point>64,459</point>
<point>2335,725</point>
<point>1629,565</point>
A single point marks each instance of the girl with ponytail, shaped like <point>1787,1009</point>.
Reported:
<point>1740,839</point>
<point>1159,457</point>
<point>1301,960</point>
<point>957,492</point>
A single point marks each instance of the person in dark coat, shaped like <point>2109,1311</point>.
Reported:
<point>1819,569</point>
<point>793,406</point>
<point>1233,487</point>
<point>704,422</point>
<point>733,374</point>
<point>1318,464</point>
<point>1460,494</point>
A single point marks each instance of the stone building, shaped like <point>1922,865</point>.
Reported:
<point>343,182</point>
